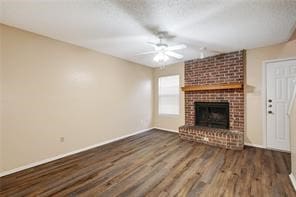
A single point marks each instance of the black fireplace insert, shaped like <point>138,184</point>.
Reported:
<point>212,114</point>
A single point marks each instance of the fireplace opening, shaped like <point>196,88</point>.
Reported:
<point>212,114</point>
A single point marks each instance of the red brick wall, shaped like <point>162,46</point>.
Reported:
<point>224,68</point>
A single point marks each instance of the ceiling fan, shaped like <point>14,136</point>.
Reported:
<point>163,51</point>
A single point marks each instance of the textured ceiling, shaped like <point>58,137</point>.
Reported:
<point>122,27</point>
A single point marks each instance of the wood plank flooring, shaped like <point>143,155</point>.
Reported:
<point>157,163</point>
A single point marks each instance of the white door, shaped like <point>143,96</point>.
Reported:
<point>280,80</point>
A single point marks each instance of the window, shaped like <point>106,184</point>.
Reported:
<point>168,95</point>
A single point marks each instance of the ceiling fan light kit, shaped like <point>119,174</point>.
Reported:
<point>161,57</point>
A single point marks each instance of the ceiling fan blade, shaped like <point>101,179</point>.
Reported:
<point>146,53</point>
<point>174,54</point>
<point>177,47</point>
<point>152,44</point>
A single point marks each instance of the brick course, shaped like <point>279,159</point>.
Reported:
<point>220,69</point>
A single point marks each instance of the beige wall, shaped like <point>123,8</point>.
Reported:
<point>53,89</point>
<point>293,137</point>
<point>167,121</point>
<point>254,103</point>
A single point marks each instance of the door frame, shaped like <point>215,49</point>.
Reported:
<point>264,96</point>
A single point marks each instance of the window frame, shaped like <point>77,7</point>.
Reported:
<point>179,96</point>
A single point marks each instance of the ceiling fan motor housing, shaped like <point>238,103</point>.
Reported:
<point>161,46</point>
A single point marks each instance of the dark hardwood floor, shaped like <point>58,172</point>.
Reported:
<point>157,163</point>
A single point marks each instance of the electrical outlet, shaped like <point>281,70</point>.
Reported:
<point>62,139</point>
<point>206,139</point>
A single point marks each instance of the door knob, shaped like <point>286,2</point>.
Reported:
<point>269,100</point>
<point>270,112</point>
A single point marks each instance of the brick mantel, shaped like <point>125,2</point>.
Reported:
<point>221,69</point>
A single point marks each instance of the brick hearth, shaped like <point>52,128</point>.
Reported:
<point>216,137</point>
<point>221,69</point>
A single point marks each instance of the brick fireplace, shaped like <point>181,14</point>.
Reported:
<point>213,77</point>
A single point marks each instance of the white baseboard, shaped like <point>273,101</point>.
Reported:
<point>170,130</point>
<point>255,145</point>
<point>68,154</point>
<point>293,180</point>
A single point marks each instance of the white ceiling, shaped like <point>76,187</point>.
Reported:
<point>122,27</point>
